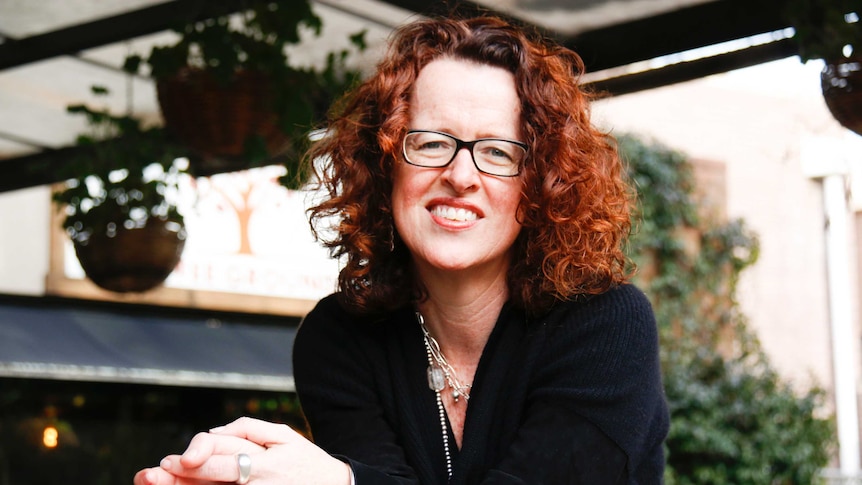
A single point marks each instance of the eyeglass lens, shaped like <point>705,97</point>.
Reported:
<point>492,156</point>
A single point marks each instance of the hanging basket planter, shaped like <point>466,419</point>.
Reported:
<point>218,120</point>
<point>841,82</point>
<point>120,201</point>
<point>132,260</point>
<point>227,90</point>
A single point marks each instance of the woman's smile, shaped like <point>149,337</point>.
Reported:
<point>453,212</point>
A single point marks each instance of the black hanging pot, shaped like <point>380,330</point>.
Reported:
<point>841,82</point>
<point>132,260</point>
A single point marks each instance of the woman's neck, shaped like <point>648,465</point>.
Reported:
<point>460,311</point>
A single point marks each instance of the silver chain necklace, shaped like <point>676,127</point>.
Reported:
<point>440,373</point>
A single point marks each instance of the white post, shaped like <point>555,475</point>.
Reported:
<point>844,363</point>
<point>830,159</point>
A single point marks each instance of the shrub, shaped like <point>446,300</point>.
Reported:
<point>733,420</point>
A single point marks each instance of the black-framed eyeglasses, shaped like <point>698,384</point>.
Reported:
<point>493,156</point>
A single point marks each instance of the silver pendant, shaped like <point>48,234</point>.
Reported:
<point>436,379</point>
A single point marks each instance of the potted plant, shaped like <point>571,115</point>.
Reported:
<point>831,30</point>
<point>120,202</point>
<point>227,91</point>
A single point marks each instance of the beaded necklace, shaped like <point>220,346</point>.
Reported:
<point>440,373</point>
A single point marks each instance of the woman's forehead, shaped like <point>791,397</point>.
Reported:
<point>454,94</point>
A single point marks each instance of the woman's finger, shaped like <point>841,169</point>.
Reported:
<point>205,445</point>
<point>261,432</point>
<point>156,476</point>
<point>145,477</point>
<point>217,468</point>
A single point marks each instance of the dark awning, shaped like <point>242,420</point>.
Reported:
<point>144,345</point>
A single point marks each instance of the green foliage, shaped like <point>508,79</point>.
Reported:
<point>255,37</point>
<point>124,175</point>
<point>733,420</point>
<point>823,28</point>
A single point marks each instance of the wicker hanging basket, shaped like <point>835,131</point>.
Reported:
<point>841,82</point>
<point>217,119</point>
<point>133,260</point>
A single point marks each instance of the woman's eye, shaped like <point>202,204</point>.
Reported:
<point>431,145</point>
<point>496,152</point>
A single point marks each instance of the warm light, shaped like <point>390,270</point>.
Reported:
<point>50,436</point>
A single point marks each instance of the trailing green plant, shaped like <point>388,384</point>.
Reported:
<point>733,420</point>
<point>124,175</point>
<point>824,28</point>
<point>255,37</point>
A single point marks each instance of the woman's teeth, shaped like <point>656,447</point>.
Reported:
<point>453,214</point>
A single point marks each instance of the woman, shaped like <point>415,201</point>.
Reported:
<point>483,331</point>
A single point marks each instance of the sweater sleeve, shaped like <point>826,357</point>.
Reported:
<point>335,380</point>
<point>598,378</point>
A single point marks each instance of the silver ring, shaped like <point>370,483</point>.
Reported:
<point>243,462</point>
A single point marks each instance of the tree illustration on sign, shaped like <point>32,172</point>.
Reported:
<point>241,194</point>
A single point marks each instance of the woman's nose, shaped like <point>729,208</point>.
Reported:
<point>462,173</point>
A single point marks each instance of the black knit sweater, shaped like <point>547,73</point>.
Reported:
<point>574,397</point>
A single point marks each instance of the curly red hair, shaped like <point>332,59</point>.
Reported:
<point>574,205</point>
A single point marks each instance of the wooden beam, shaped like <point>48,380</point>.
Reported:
<point>676,31</point>
<point>148,20</point>
<point>40,168</point>
<point>696,69</point>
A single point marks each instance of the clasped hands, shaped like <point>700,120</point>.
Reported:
<point>279,456</point>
